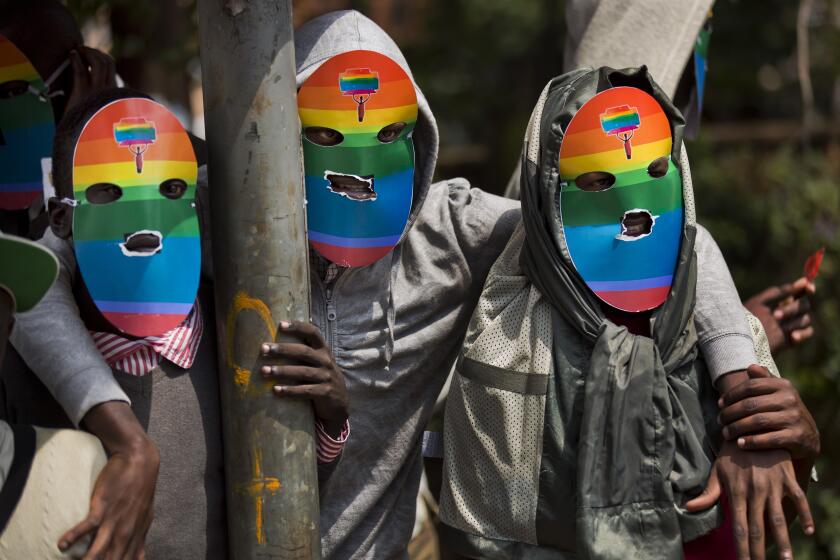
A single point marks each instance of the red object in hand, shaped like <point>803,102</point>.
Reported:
<point>812,265</point>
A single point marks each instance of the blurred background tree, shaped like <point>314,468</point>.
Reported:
<point>767,185</point>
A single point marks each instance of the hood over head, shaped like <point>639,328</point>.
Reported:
<point>341,32</point>
<point>542,181</point>
<point>623,367</point>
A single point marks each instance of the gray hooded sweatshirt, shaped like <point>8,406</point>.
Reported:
<point>395,327</point>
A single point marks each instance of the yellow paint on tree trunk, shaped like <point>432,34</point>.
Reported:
<point>243,302</point>
<point>258,488</point>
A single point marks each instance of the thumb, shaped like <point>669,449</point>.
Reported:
<point>709,497</point>
<point>774,294</point>
<point>756,371</point>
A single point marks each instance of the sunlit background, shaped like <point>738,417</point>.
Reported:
<point>766,165</point>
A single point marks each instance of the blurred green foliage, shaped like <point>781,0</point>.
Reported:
<point>482,65</point>
<point>769,207</point>
<point>154,42</point>
<point>771,203</point>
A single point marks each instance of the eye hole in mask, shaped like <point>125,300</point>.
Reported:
<point>391,132</point>
<point>323,136</point>
<point>595,181</point>
<point>13,88</point>
<point>173,189</point>
<point>658,167</point>
<point>103,193</point>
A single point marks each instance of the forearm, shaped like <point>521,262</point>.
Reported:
<point>116,426</point>
<point>329,447</point>
<point>57,347</point>
<point>730,380</point>
<point>723,332</point>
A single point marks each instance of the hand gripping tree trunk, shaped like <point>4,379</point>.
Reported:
<point>261,271</point>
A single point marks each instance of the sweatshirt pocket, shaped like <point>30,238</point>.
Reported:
<point>492,447</point>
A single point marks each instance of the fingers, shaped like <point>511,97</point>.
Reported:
<point>759,423</point>
<point>778,527</point>
<point>800,500</point>
<point>773,294</point>
<point>306,332</point>
<point>794,308</point>
<point>88,525</point>
<point>121,540</point>
<point>709,496</point>
<point>102,68</point>
<point>804,286</point>
<point>780,439</point>
<point>750,406</point>
<point>797,323</point>
<point>796,289</point>
<point>756,371</point>
<point>296,374</point>
<point>751,388</point>
<point>802,335</point>
<point>758,496</point>
<point>738,503</point>
<point>306,392</point>
<point>135,548</point>
<point>100,543</point>
<point>297,353</point>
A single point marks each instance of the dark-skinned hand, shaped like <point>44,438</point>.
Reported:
<point>785,313</point>
<point>309,373</point>
<point>756,484</point>
<point>93,70</point>
<point>767,412</point>
<point>121,507</point>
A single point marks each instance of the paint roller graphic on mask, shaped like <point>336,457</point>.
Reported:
<point>360,84</point>
<point>621,122</point>
<point>136,134</point>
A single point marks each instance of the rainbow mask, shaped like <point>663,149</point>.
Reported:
<point>621,198</point>
<point>357,112</point>
<point>135,228</point>
<point>27,128</point>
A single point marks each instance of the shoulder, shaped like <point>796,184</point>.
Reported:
<point>704,235</point>
<point>705,245</point>
<point>469,210</point>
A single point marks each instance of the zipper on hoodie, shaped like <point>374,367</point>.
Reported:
<point>329,312</point>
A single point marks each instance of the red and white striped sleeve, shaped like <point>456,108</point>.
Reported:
<point>327,448</point>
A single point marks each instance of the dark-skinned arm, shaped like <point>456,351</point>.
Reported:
<point>768,413</point>
<point>757,483</point>
<point>309,373</point>
<point>121,507</point>
<point>785,313</point>
<point>304,368</point>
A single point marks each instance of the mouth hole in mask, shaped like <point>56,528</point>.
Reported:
<point>354,187</point>
<point>143,243</point>
<point>595,181</point>
<point>636,224</point>
<point>13,88</point>
<point>103,193</point>
<point>323,136</point>
<point>658,167</point>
